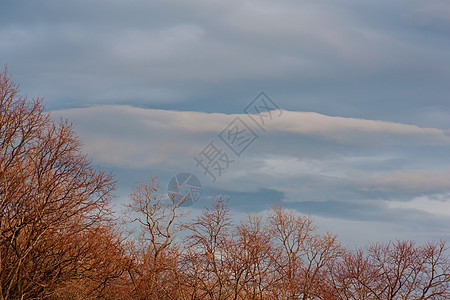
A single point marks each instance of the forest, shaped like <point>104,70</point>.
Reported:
<point>60,237</point>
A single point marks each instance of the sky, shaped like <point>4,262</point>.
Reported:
<point>359,134</point>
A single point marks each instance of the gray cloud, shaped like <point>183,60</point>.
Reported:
<point>375,73</point>
<point>163,133</point>
<point>345,169</point>
<point>371,61</point>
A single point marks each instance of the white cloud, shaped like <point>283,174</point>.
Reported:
<point>352,130</point>
<point>432,204</point>
<point>428,181</point>
<point>162,134</point>
<point>131,137</point>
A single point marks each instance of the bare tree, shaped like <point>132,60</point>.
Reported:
<point>253,260</point>
<point>208,245</point>
<point>305,255</point>
<point>395,270</point>
<point>58,238</point>
<point>100,265</point>
<point>49,192</point>
<point>280,256</point>
<point>156,254</point>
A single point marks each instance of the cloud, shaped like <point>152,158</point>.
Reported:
<point>436,204</point>
<point>352,129</point>
<point>340,59</point>
<point>302,155</point>
<point>434,14</point>
<point>422,181</point>
<point>160,134</point>
<point>375,73</point>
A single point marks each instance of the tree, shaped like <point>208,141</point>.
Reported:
<point>305,255</point>
<point>51,198</point>
<point>281,259</point>
<point>58,239</point>
<point>253,258</point>
<point>207,257</point>
<point>155,252</point>
<point>395,270</point>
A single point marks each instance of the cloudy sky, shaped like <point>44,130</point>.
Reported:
<point>360,138</point>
